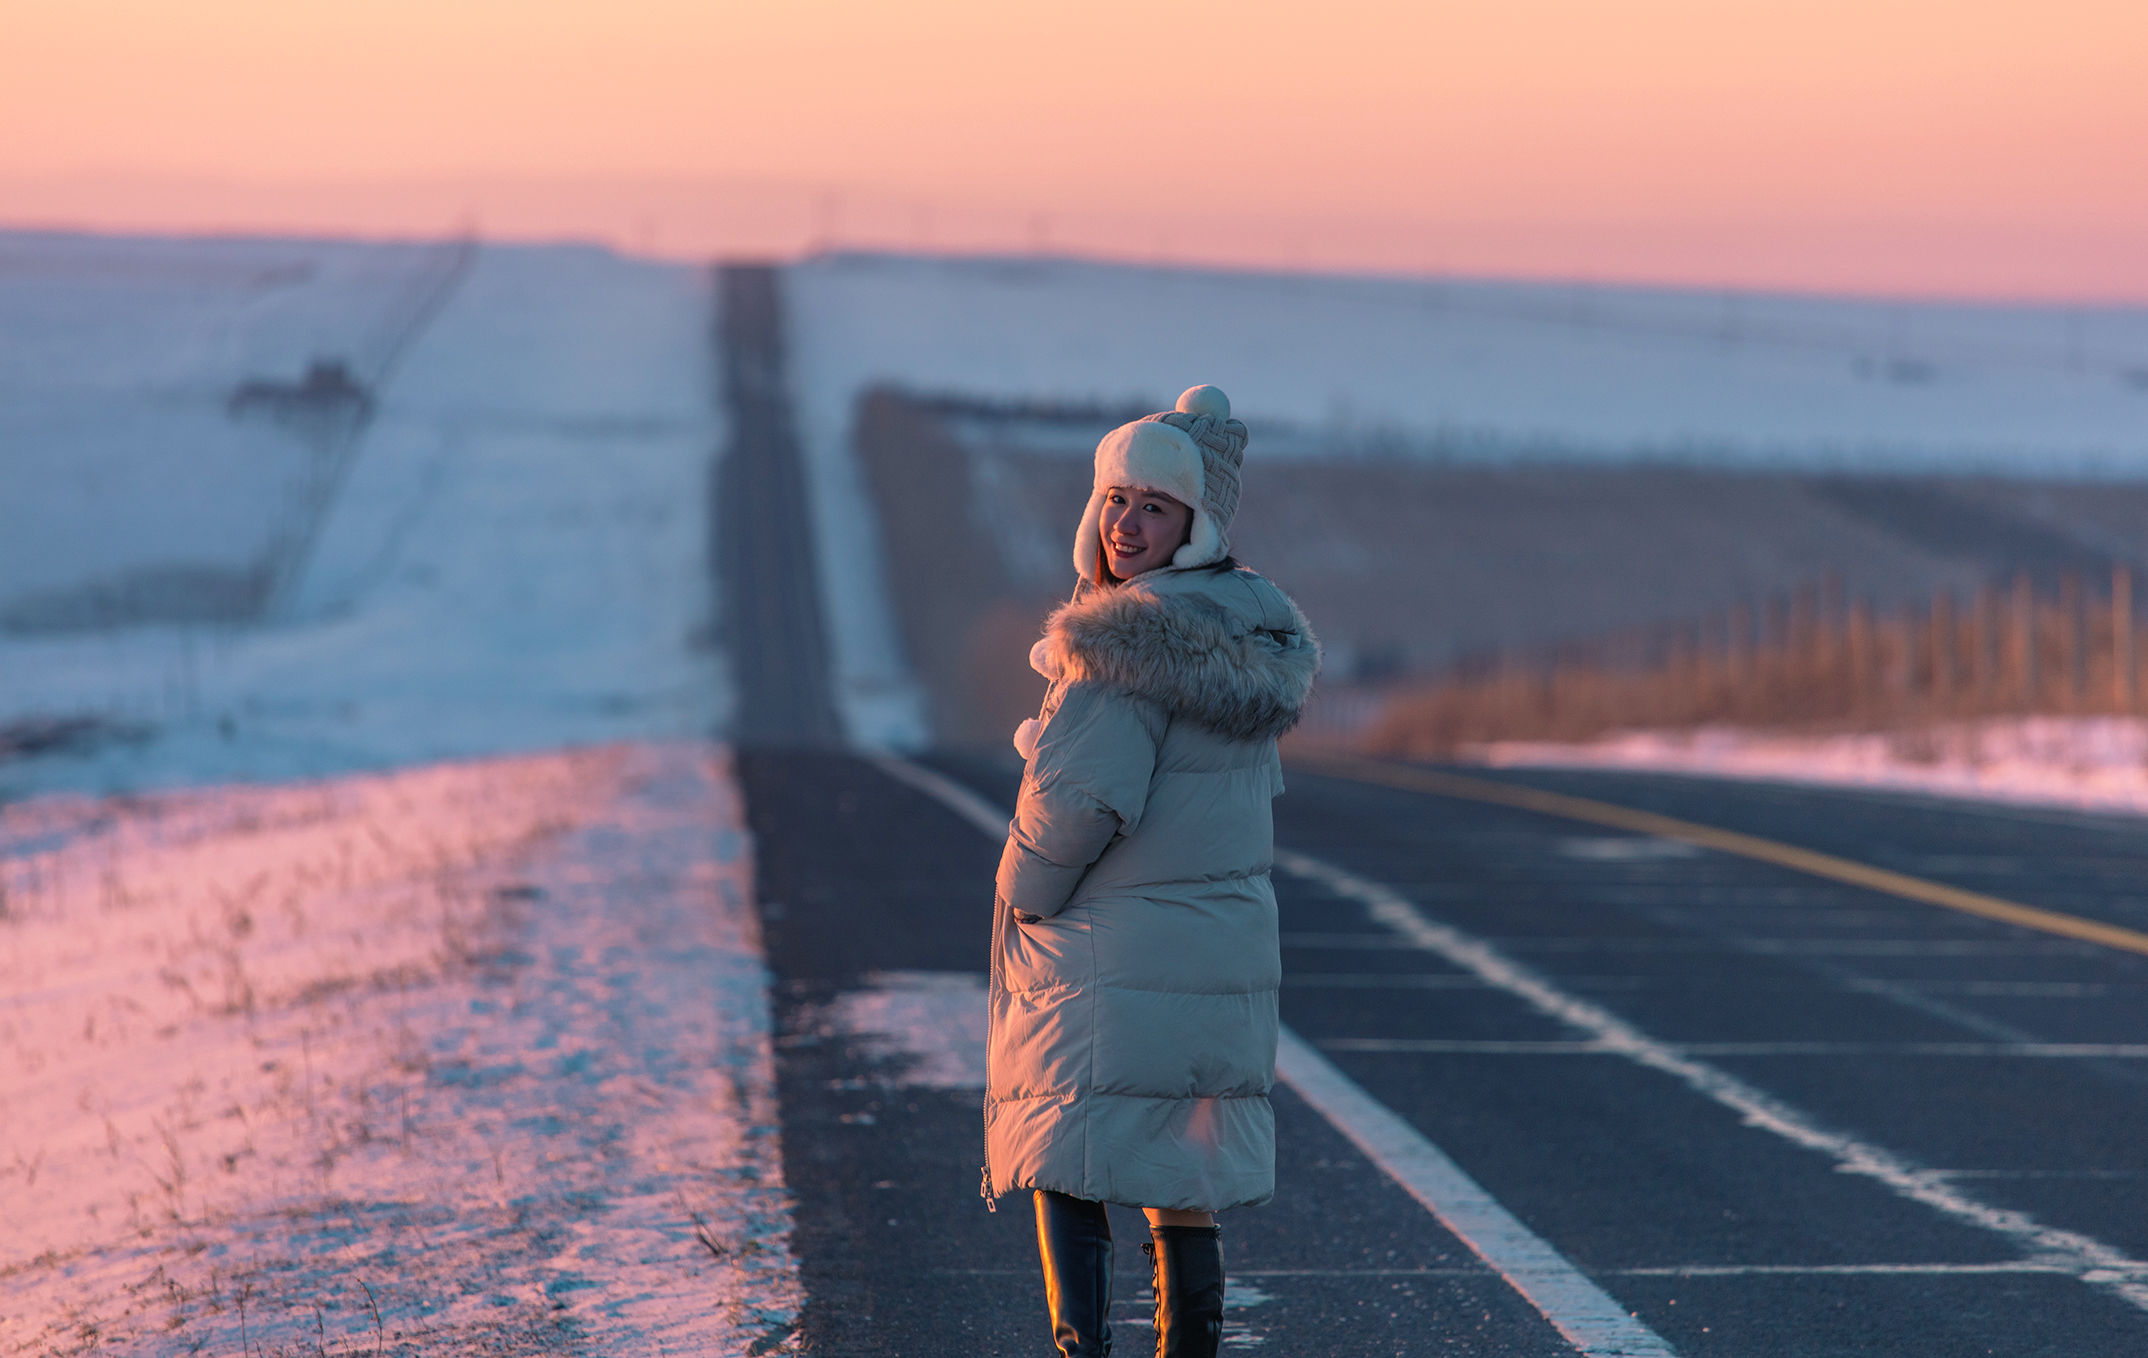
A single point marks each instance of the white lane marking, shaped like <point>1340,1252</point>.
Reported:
<point>2043,1173</point>
<point>1382,980</point>
<point>1837,1270</point>
<point>1420,980</point>
<point>1874,947</point>
<point>1367,942</point>
<point>2081,1256</point>
<point>1625,849</point>
<point>946,791</point>
<point>2016,1266</point>
<point>1580,1310</point>
<point>1597,1047</point>
<point>1800,947</point>
<point>2058,990</point>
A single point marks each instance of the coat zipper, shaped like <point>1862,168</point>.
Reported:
<point>992,987</point>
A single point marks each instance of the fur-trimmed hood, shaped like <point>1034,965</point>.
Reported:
<point>1225,649</point>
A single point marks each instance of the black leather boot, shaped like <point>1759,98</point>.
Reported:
<point>1074,1242</point>
<point>1188,1264</point>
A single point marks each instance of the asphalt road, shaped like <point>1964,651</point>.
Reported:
<point>767,577</point>
<point>1947,1156</point>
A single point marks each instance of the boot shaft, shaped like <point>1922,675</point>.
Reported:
<point>1187,1264</point>
<point>1074,1245</point>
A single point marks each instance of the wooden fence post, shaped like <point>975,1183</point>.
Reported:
<point>2024,641</point>
<point>1858,688</point>
<point>1905,676</point>
<point>2070,657</point>
<point>2122,637</point>
<point>1942,647</point>
<point>1983,654</point>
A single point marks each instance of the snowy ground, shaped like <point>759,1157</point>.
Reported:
<point>2091,763</point>
<point>125,460</point>
<point>377,965</point>
<point>516,557</point>
<point>1498,370</point>
<point>471,1058</point>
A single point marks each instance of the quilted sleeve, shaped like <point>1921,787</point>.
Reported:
<point>1087,782</point>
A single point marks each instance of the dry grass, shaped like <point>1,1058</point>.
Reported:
<point>1812,667</point>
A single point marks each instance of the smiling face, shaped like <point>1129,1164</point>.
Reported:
<point>1141,529</point>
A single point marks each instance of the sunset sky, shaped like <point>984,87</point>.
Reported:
<point>1950,147</point>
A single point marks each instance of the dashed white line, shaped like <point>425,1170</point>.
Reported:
<point>1805,947</point>
<point>1391,980</point>
<point>2059,1051</point>
<point>1838,1270</point>
<point>2070,1252</point>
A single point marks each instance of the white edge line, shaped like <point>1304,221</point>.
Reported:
<point>2082,1256</point>
<point>949,793</point>
<point>1581,1311</point>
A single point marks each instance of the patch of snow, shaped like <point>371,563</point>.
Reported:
<point>2088,763</point>
<point>930,1023</point>
<point>465,1059</point>
<point>517,558</point>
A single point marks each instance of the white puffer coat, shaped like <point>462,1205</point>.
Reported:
<point>1134,954</point>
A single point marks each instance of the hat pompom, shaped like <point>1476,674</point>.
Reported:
<point>1205,400</point>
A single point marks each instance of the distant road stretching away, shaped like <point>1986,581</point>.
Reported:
<point>769,582</point>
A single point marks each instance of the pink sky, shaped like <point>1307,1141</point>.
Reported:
<point>1961,148</point>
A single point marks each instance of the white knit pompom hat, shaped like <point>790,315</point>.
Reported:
<point>1191,454</point>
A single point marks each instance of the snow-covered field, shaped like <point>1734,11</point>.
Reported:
<point>378,971</point>
<point>2088,763</point>
<point>1324,365</point>
<point>463,1059</point>
<point>516,557</point>
<point>124,457</point>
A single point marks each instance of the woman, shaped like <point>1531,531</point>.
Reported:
<point>1134,955</point>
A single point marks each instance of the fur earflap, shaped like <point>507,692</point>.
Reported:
<point>1191,454</point>
<point>1189,654</point>
<point>1151,456</point>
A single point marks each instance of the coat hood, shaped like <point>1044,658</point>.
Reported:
<point>1222,648</point>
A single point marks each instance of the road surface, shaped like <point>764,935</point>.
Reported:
<point>1990,1075</point>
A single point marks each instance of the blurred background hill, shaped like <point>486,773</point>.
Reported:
<point>1455,477</point>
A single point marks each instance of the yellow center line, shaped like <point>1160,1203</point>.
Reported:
<point>1817,864</point>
